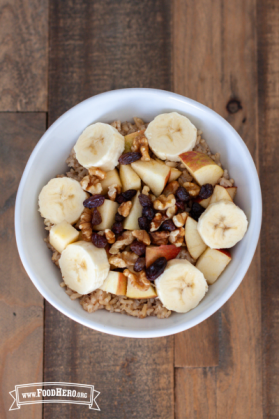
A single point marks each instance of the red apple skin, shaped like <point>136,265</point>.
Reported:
<point>226,252</point>
<point>122,284</point>
<point>195,160</point>
<point>169,251</point>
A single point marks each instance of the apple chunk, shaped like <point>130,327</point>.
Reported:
<point>212,263</point>
<point>153,173</point>
<point>107,211</point>
<point>130,138</point>
<point>169,251</point>
<point>129,178</point>
<point>112,178</point>
<point>175,173</point>
<point>115,283</point>
<point>201,167</point>
<point>133,292</point>
<point>131,222</point>
<point>204,202</point>
<point>194,242</point>
<point>220,193</point>
<point>61,235</point>
<point>232,191</point>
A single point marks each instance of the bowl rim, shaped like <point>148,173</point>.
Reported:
<point>173,329</point>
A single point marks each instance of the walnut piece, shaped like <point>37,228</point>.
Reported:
<point>164,202</point>
<point>142,236</point>
<point>130,258</point>
<point>179,220</point>
<point>184,254</point>
<point>192,188</point>
<point>117,261</point>
<point>185,176</point>
<point>145,190</point>
<point>171,211</point>
<point>110,236</point>
<point>124,240</point>
<point>91,184</point>
<point>125,208</point>
<point>159,237</point>
<point>85,224</point>
<point>157,221</point>
<point>138,280</point>
<point>140,143</point>
<point>113,191</point>
<point>177,237</point>
<point>171,188</point>
<point>96,171</point>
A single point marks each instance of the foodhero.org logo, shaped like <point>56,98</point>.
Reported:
<point>54,393</point>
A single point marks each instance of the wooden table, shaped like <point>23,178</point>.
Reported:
<point>54,54</point>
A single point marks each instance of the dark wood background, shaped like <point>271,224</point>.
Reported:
<point>55,53</point>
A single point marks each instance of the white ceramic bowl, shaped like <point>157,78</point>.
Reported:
<point>47,160</point>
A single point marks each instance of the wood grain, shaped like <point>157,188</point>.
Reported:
<point>21,305</point>
<point>195,393</point>
<point>94,47</point>
<point>268,73</point>
<point>23,55</point>
<point>221,36</point>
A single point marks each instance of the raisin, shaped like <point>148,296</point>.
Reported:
<point>180,205</point>
<point>182,194</point>
<point>144,224</point>
<point>139,265</point>
<point>94,201</point>
<point>99,241</point>
<point>138,248</point>
<point>196,211</point>
<point>96,217</point>
<point>206,191</point>
<point>128,195</point>
<point>148,212</point>
<point>120,199</point>
<point>117,227</point>
<point>168,225</point>
<point>119,217</point>
<point>129,157</point>
<point>156,269</point>
<point>145,200</point>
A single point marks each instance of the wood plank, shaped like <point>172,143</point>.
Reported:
<point>268,74</point>
<point>23,55</point>
<point>94,47</point>
<point>221,36</point>
<point>21,305</point>
<point>195,393</point>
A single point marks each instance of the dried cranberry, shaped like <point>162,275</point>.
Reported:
<point>148,212</point>
<point>128,195</point>
<point>144,224</point>
<point>94,201</point>
<point>130,157</point>
<point>156,269</point>
<point>180,205</point>
<point>117,227</point>
<point>118,217</point>
<point>138,248</point>
<point>145,200</point>
<point>139,265</point>
<point>96,217</point>
<point>99,241</point>
<point>182,194</point>
<point>120,199</point>
<point>168,225</point>
<point>196,211</point>
<point>206,191</point>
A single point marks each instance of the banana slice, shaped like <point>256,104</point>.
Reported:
<point>84,267</point>
<point>222,225</point>
<point>171,134</point>
<point>62,200</point>
<point>181,287</point>
<point>99,145</point>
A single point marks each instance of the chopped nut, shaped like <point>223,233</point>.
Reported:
<point>130,258</point>
<point>125,208</point>
<point>184,254</point>
<point>138,280</point>
<point>145,190</point>
<point>171,211</point>
<point>124,240</point>
<point>116,125</point>
<point>85,225</point>
<point>171,188</point>
<point>113,191</point>
<point>142,236</point>
<point>164,202</point>
<point>177,237</point>
<point>139,122</point>
<point>140,143</point>
<point>91,184</point>
<point>157,221</point>
<point>184,177</point>
<point>110,236</point>
<point>117,261</point>
<point>96,171</point>
<point>159,237</point>
<point>192,188</point>
<point>179,220</point>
